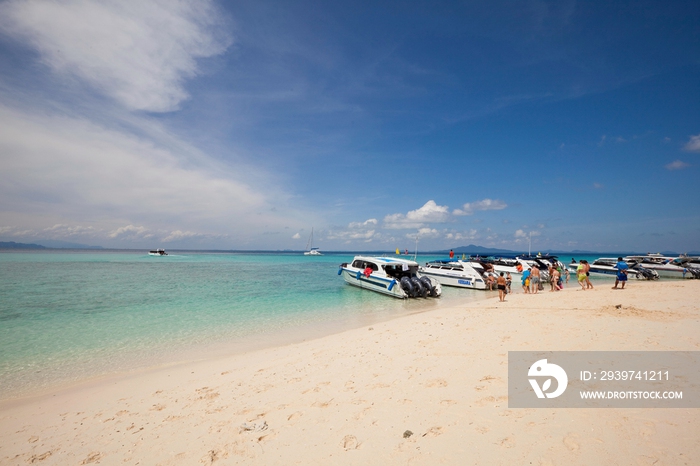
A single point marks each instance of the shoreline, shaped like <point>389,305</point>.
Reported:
<point>256,339</point>
<point>349,397</point>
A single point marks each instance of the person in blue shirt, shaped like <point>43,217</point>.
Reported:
<point>526,280</point>
<point>622,268</point>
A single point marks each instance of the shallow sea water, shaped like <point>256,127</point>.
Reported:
<point>70,315</point>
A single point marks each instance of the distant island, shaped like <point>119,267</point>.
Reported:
<point>13,245</point>
<point>48,244</point>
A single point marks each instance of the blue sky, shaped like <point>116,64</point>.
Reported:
<point>242,125</point>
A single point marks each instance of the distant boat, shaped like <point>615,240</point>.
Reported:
<point>158,252</point>
<point>310,250</point>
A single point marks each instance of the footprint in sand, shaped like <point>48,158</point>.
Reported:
<point>93,457</point>
<point>41,457</point>
<point>571,443</point>
<point>295,416</point>
<point>433,432</point>
<point>507,442</point>
<point>437,383</point>
<point>350,443</point>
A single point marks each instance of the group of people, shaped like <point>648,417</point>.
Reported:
<point>532,278</point>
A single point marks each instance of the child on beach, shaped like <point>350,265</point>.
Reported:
<point>526,281</point>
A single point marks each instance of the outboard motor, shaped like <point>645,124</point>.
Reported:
<point>647,273</point>
<point>420,289</point>
<point>407,286</point>
<point>429,286</point>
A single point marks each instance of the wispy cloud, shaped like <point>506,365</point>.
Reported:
<point>73,172</point>
<point>138,53</point>
<point>485,204</point>
<point>693,145</point>
<point>677,165</point>
<point>130,232</point>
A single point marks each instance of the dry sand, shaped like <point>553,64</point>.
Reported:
<point>349,398</point>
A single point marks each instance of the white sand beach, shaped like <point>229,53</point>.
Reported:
<point>350,398</point>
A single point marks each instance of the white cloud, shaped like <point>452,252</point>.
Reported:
<point>59,170</point>
<point>347,236</point>
<point>426,233</point>
<point>485,204</point>
<point>180,235</point>
<point>677,165</point>
<point>467,235</point>
<point>526,234</point>
<point>138,53</point>
<point>130,232</point>
<point>296,236</point>
<point>67,231</point>
<point>693,145</point>
<point>371,221</point>
<point>429,213</point>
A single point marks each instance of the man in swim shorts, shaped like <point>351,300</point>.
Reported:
<point>501,285</point>
<point>621,277</point>
<point>535,279</point>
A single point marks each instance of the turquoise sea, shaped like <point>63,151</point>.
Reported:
<point>66,316</point>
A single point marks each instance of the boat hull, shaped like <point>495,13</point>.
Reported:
<point>394,277</point>
<point>455,279</point>
<point>386,286</point>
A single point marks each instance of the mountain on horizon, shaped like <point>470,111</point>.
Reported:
<point>46,244</point>
<point>13,245</point>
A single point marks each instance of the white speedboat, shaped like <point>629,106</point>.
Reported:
<point>157,252</point>
<point>606,267</point>
<point>390,276</point>
<point>454,273</point>
<point>666,267</point>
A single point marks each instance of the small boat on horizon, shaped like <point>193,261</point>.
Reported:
<point>310,250</point>
<point>157,252</point>
<point>391,276</point>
